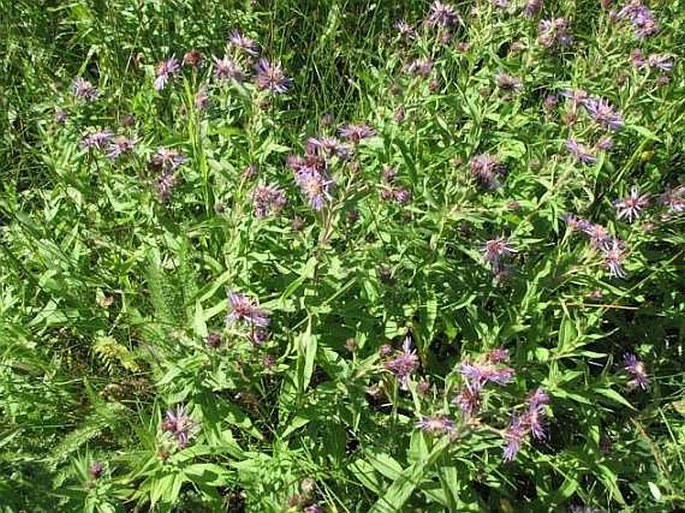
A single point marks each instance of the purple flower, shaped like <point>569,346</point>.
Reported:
<point>97,140</point>
<point>468,400</point>
<point>661,62</point>
<point>268,200</point>
<point>165,184</point>
<point>437,425</point>
<point>244,309</point>
<point>167,159</point>
<point>554,31</point>
<point>442,15</point>
<point>598,234</point>
<point>479,374</point>
<point>638,59</point>
<point>243,43</point>
<point>508,82</point>
<point>328,146</point>
<point>313,508</point>
<point>404,364</point>
<point>258,337</point>
<point>486,168</point>
<point>604,143</point>
<point>422,67</point>
<point>201,98</point>
<point>550,102</point>
<point>226,68</point>
<point>496,249</point>
<point>119,146</point>
<point>213,340</point>
<point>95,470</point>
<point>636,370</point>
<point>640,17</point>
<point>532,8</point>
<point>271,77</point>
<point>164,71</point>
<point>61,116</point>
<point>674,199</point>
<point>535,416</point>
<point>405,30</point>
<point>614,255</point>
<point>514,435</point>
<point>315,185</point>
<point>576,224</point>
<point>632,206</point>
<point>577,97</point>
<point>581,152</point>
<point>603,113</point>
<point>356,133</point>
<point>500,3</point>
<point>84,90</point>
<point>538,398</point>
<point>498,355</point>
<point>180,425</point>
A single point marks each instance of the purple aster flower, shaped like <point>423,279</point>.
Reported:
<point>577,96</point>
<point>405,30</point>
<point>313,508</point>
<point>404,364</point>
<point>61,116</point>
<point>442,15</point>
<point>514,435</point>
<point>84,90</point>
<point>213,340</point>
<point>401,195</point>
<point>604,143</point>
<point>243,43</point>
<point>95,470</point>
<point>632,206</point>
<point>603,113</point>
<point>202,99</point>
<point>598,234</point>
<point>674,199</point>
<point>535,416</point>
<point>500,3</point>
<point>468,400</point>
<point>496,249</point>
<point>244,309</point>
<point>486,169</point>
<point>164,71</point>
<point>576,224</point>
<point>437,425</point>
<point>661,62</point>
<point>314,185</point>
<point>226,68</point>
<point>328,146</point>
<point>97,140</point>
<point>180,425</point>
<point>538,398</point>
<point>356,133</point>
<point>581,152</point>
<point>422,67</point>
<point>636,370</point>
<point>479,374</point>
<point>508,82</point>
<point>638,59</point>
<point>614,255</point>
<point>550,102</point>
<point>640,17</point>
<point>167,159</point>
<point>258,337</point>
<point>532,8</point>
<point>165,184</point>
<point>551,32</point>
<point>268,200</point>
<point>119,146</point>
<point>498,355</point>
<point>271,77</point>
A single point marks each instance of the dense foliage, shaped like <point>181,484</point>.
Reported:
<point>342,256</point>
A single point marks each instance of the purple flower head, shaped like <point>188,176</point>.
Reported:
<point>271,77</point>
<point>498,355</point>
<point>486,169</point>
<point>226,68</point>
<point>268,200</point>
<point>401,195</point>
<point>538,398</point>
<point>164,71</point>
<point>201,99</point>
<point>119,146</point>
<point>95,470</point>
<point>496,249</point>
<point>535,416</point>
<point>245,310</point>
<point>356,133</point>
<point>598,234</point>
<point>437,425</point>
<point>315,185</point>
<point>167,159</point>
<point>404,364</point>
<point>603,113</point>
<point>532,8</point>
<point>258,337</point>
<point>661,62</point>
<point>213,340</point>
<point>479,374</point>
<point>576,224</point>
<point>84,90</point>
<point>61,116</point>
<point>604,143</point>
<point>640,17</point>
<point>550,102</point>
<point>514,435</point>
<point>468,400</point>
<point>508,82</point>
<point>674,199</point>
<point>614,255</point>
<point>551,32</point>
<point>442,15</point>
<point>313,508</point>
<point>638,59</point>
<point>243,43</point>
<point>405,30</point>
<point>632,206</point>
<point>165,185</point>
<point>636,370</point>
<point>581,152</point>
<point>180,425</point>
<point>500,3</point>
<point>328,146</point>
<point>577,96</point>
<point>97,140</point>
<point>421,67</point>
